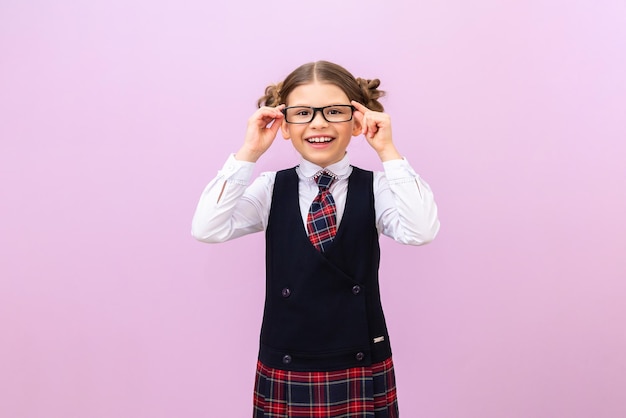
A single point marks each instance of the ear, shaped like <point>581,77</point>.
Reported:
<point>357,129</point>
<point>284,128</point>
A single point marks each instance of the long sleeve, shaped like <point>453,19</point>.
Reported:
<point>405,206</point>
<point>231,207</point>
<point>228,208</point>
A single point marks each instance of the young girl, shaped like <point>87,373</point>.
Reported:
<point>324,347</point>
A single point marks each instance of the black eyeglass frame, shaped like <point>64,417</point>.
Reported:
<point>318,109</point>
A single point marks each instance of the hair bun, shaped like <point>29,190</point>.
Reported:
<point>371,93</point>
<point>272,96</point>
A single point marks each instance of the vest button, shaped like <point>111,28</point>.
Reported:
<point>360,356</point>
<point>286,292</point>
<point>286,359</point>
<point>356,289</point>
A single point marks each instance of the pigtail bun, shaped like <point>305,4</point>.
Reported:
<point>371,94</point>
<point>272,96</point>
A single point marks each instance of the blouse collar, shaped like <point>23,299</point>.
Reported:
<point>341,169</point>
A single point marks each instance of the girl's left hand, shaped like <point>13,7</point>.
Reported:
<point>376,127</point>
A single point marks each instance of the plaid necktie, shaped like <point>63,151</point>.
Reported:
<point>321,222</point>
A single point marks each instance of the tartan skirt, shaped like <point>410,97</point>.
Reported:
<point>360,392</point>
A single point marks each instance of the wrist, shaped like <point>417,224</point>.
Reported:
<point>245,154</point>
<point>389,153</point>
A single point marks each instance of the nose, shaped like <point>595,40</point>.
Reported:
<point>318,118</point>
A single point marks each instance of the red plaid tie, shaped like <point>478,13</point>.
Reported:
<point>321,222</point>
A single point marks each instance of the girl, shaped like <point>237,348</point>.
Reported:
<point>324,347</point>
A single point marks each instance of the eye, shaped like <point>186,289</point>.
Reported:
<point>335,110</point>
<point>303,112</point>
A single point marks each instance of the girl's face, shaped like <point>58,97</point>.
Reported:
<point>320,142</point>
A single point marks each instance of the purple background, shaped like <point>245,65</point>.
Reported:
<point>115,114</point>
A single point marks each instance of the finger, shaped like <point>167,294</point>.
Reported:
<point>371,130</point>
<point>279,117</point>
<point>273,112</point>
<point>279,109</point>
<point>267,115</point>
<point>364,122</point>
<point>372,127</point>
<point>360,107</point>
<point>276,123</point>
<point>279,112</point>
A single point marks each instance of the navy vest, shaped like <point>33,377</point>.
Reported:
<point>322,310</point>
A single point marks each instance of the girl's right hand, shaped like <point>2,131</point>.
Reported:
<point>262,128</point>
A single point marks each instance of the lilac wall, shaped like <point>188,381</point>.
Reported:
<point>114,115</point>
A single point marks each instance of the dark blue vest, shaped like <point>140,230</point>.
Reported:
<point>322,310</point>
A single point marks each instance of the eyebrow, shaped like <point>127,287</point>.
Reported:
<point>332,104</point>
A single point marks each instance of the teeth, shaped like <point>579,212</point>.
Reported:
<point>320,139</point>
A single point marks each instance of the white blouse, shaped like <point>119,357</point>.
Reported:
<point>229,207</point>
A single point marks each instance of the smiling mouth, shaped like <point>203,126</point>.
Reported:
<point>319,139</point>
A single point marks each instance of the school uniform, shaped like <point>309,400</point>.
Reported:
<point>324,347</point>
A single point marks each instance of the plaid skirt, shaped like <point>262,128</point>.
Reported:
<point>361,392</point>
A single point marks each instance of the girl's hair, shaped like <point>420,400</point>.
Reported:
<point>363,91</point>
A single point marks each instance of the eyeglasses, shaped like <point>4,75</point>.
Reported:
<point>306,114</point>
